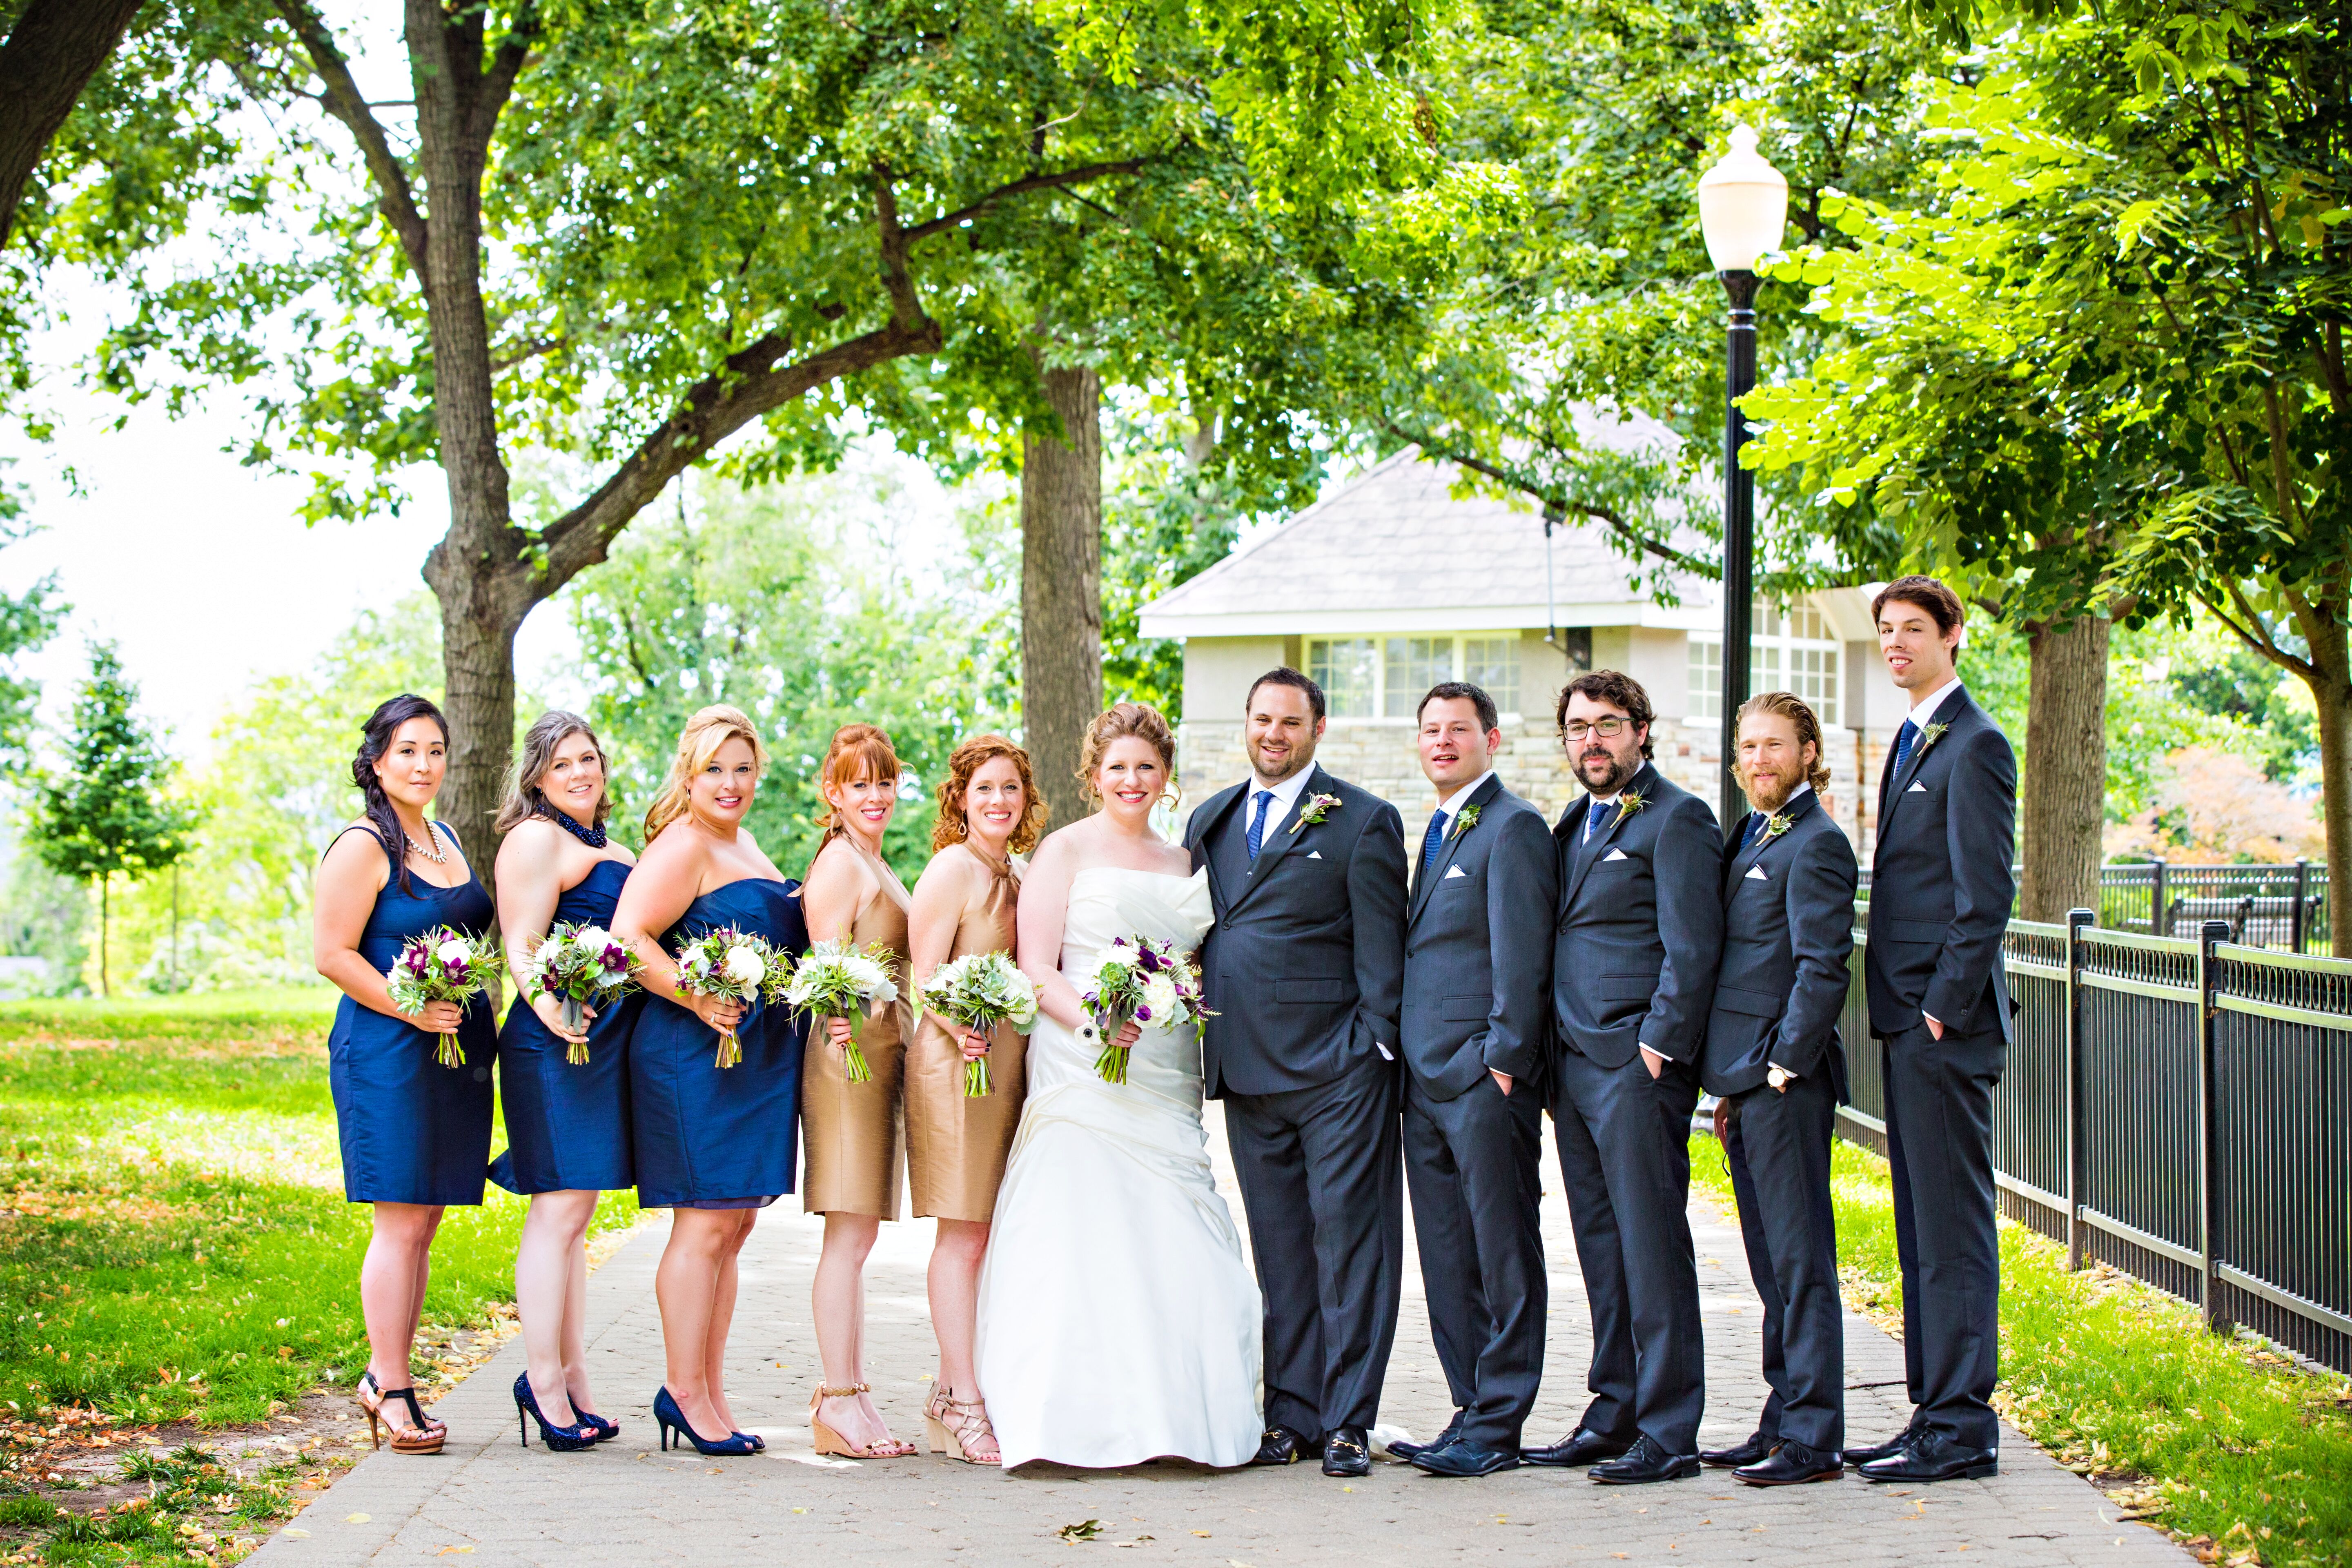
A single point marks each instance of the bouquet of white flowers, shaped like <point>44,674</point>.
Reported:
<point>734,966</point>
<point>980,991</point>
<point>443,965</point>
<point>1140,979</point>
<point>842,980</point>
<point>576,965</point>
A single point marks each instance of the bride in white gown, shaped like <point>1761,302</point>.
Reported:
<point>1118,1319</point>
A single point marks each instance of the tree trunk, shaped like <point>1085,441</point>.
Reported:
<point>2064,804</point>
<point>53,50</point>
<point>1061,584</point>
<point>2330,680</point>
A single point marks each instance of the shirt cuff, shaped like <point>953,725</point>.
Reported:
<point>1776,1067</point>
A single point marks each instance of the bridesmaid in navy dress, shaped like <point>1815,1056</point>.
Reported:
<point>567,1121</point>
<point>713,1144</point>
<point>415,1135</point>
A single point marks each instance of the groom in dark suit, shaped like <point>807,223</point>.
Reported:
<point>1477,1027</point>
<point>1940,891</point>
<point>1639,932</point>
<point>1304,969</point>
<point>1774,1058</point>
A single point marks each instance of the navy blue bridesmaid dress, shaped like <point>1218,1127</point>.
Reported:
<point>568,1123</point>
<point>713,1137</point>
<point>413,1130</point>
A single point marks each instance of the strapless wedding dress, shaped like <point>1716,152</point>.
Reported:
<point>1118,1319</point>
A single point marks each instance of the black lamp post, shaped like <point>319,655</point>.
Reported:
<point>1743,204</point>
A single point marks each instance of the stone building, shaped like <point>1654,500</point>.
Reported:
<point>1392,583</point>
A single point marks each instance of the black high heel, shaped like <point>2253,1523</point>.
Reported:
<point>672,1419</point>
<point>561,1439</point>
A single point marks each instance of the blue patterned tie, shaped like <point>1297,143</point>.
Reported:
<point>1433,843</point>
<point>1904,739</point>
<point>1257,823</point>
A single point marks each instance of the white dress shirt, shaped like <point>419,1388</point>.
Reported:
<point>1451,806</point>
<point>1278,810</point>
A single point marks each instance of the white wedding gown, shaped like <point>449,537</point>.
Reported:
<point>1118,1319</point>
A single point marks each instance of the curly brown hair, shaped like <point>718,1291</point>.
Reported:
<point>1616,689</point>
<point>1792,707</point>
<point>952,827</point>
<point>1118,723</point>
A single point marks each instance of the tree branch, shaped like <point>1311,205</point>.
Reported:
<point>1608,517</point>
<point>2255,634</point>
<point>1052,182</point>
<point>498,82</point>
<point>54,47</point>
<point>343,100</point>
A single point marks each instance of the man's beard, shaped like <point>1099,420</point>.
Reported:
<point>1299,759</point>
<point>1621,774</point>
<point>1767,793</point>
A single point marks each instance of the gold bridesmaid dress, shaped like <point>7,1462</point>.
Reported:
<point>853,1132</point>
<point>956,1146</point>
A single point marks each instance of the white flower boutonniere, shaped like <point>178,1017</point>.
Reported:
<point>1631,800</point>
<point>1928,735</point>
<point>1774,825</point>
<point>1313,810</point>
<point>1464,821</point>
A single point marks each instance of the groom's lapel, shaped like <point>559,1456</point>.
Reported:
<point>1435,870</point>
<point>1591,852</point>
<point>1210,823</point>
<point>1279,840</point>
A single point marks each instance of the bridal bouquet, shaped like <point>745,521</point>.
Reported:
<point>1145,981</point>
<point>734,966</point>
<point>842,980</point>
<point>980,991</point>
<point>576,965</point>
<point>443,965</point>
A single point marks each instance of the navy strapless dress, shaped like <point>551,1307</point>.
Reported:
<point>567,1122</point>
<point>715,1137</point>
<point>413,1130</point>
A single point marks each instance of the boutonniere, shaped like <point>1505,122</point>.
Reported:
<point>1631,800</point>
<point>1464,821</point>
<point>1928,735</point>
<point>1313,810</point>
<point>1774,825</point>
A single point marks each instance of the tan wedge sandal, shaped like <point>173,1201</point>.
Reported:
<point>955,1425</point>
<point>829,1441</point>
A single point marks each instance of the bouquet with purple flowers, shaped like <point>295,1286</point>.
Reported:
<point>734,966</point>
<point>1139,980</point>
<point>576,965</point>
<point>443,965</point>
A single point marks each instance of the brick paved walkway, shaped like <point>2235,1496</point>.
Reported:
<point>488,1501</point>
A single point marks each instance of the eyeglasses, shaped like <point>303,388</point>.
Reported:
<point>1607,728</point>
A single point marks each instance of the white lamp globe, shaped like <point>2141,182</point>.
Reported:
<point>1743,205</point>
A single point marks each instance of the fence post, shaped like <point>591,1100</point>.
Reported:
<point>2155,920</point>
<point>2208,987</point>
<point>2301,893</point>
<point>2076,920</point>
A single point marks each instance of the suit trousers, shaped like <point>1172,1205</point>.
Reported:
<point>1939,1143</point>
<point>1624,1155</point>
<point>1779,1151</point>
<point>1473,1165</point>
<point>1323,1187</point>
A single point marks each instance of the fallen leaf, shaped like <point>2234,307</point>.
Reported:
<point>1085,1530</point>
<point>452,1551</point>
<point>297,1534</point>
<point>356,1519</point>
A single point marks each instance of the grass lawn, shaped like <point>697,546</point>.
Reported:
<point>2224,1444</point>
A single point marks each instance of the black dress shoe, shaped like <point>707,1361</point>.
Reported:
<point>1934,1457</point>
<point>1281,1446</point>
<point>1646,1461</point>
<point>1582,1447</point>
<point>1347,1452</point>
<point>1893,1445</point>
<point>1460,1457</point>
<point>1792,1464</point>
<point>1755,1451</point>
<point>1407,1450</point>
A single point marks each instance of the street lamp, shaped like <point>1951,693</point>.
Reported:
<point>1743,203</point>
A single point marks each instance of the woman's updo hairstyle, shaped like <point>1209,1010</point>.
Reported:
<point>709,729</point>
<point>857,749</point>
<point>375,739</point>
<point>524,798</point>
<point>951,827</point>
<point>1118,723</point>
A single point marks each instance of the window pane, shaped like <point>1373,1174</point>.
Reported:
<point>1706,678</point>
<point>1343,667</point>
<point>1494,663</point>
<point>1415,665</point>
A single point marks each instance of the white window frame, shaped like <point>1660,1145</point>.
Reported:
<point>1773,648</point>
<point>1379,641</point>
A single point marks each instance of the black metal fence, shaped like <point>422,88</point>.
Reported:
<point>2179,1107</point>
<point>2263,906</point>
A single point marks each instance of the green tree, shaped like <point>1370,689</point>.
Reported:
<point>106,813</point>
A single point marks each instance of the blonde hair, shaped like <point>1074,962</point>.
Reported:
<point>524,798</point>
<point>709,729</point>
<point>1118,723</point>
<point>1792,707</point>
<point>952,826</point>
<point>855,748</point>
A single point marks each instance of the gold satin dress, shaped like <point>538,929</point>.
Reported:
<point>852,1132</point>
<point>956,1146</point>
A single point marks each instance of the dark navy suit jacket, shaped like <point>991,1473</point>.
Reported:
<point>1477,949</point>
<point>1641,924</point>
<point>1788,938</point>
<point>1305,966</point>
<point>1940,884</point>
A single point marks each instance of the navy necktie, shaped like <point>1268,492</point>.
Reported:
<point>1904,739</point>
<point>1433,842</point>
<point>1755,829</point>
<point>1257,823</point>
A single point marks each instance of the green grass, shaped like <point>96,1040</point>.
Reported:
<point>174,1239</point>
<point>2237,1447</point>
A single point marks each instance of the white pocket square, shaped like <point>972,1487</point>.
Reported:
<point>1756,874</point>
<point>1315,854</point>
<point>1454,871</point>
<point>1614,854</point>
<point>1916,788</point>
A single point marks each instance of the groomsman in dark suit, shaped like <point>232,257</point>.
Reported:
<point>1304,969</point>
<point>1940,891</point>
<point>1638,935</point>
<point>1774,1058</point>
<point>1477,999</point>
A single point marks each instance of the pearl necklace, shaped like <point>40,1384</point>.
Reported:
<point>439,858</point>
<point>592,837</point>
